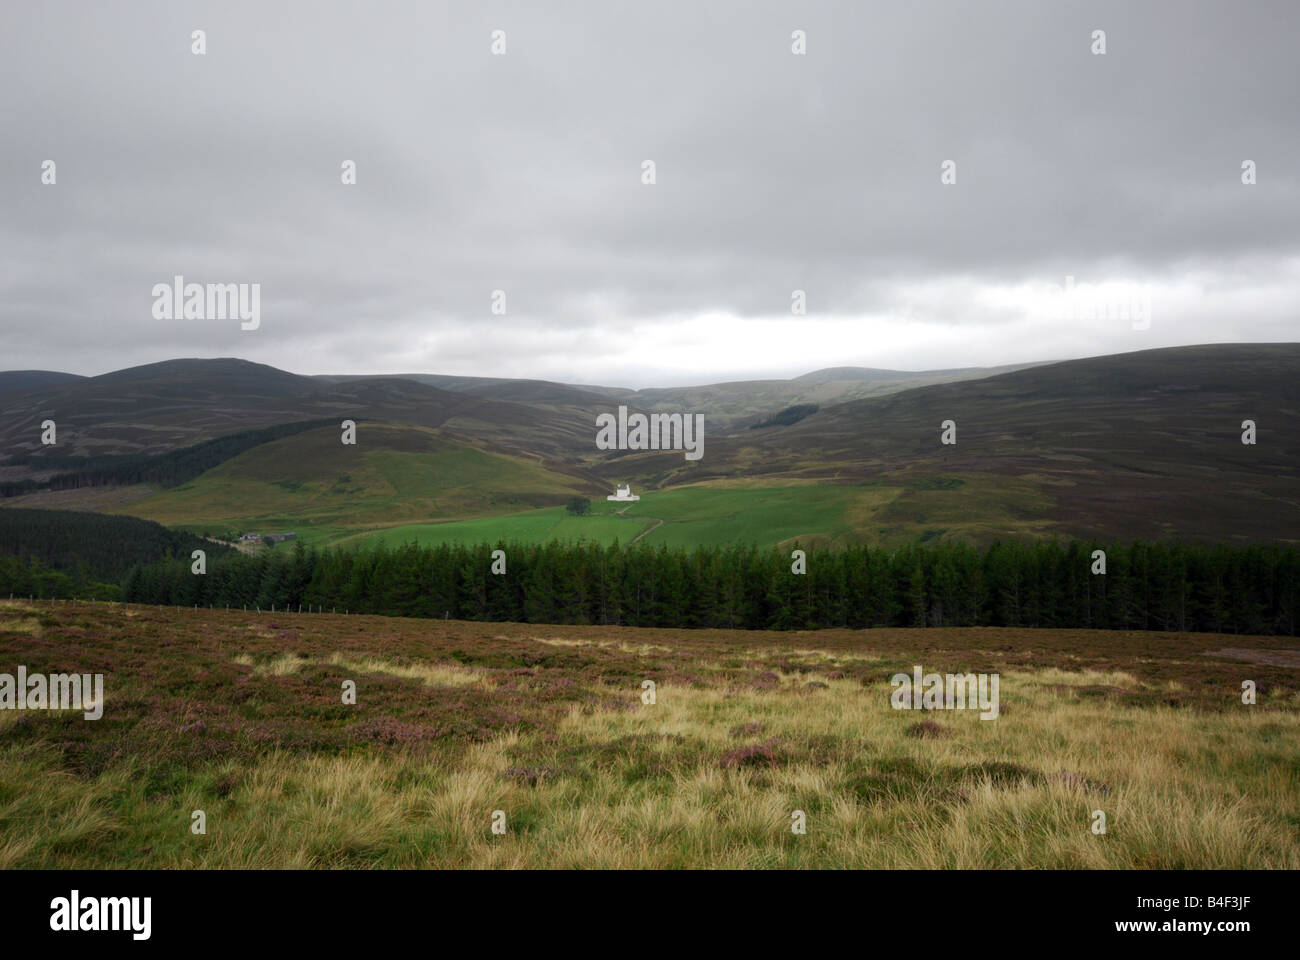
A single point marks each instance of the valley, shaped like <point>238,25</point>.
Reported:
<point>1135,445</point>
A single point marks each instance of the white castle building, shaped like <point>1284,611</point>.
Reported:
<point>623,494</point>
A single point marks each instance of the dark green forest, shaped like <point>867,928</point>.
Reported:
<point>165,469</point>
<point>90,546</point>
<point>788,416</point>
<point>1147,586</point>
<point>19,578</point>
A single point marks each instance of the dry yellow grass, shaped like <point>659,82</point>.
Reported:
<point>432,674</point>
<point>1179,789</point>
<point>223,713</point>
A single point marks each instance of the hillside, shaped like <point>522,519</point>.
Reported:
<point>18,381</point>
<point>497,388</point>
<point>173,404</point>
<point>316,486</point>
<point>179,403</point>
<point>1147,444</point>
<point>150,409</point>
<point>742,403</point>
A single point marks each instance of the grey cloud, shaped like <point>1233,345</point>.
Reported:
<point>775,172</point>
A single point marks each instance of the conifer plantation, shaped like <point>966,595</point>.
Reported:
<point>1147,586</point>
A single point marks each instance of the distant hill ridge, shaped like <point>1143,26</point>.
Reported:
<point>159,407</point>
<point>16,381</point>
<point>242,371</point>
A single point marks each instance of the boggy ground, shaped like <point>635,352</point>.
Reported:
<point>240,715</point>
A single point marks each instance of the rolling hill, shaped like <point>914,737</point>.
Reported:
<point>166,406</point>
<point>736,405</point>
<point>179,403</point>
<point>312,484</point>
<point>1144,444</point>
<point>19,381</point>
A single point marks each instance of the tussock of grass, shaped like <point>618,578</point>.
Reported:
<point>637,648</point>
<point>26,625</point>
<point>280,666</point>
<point>431,674</point>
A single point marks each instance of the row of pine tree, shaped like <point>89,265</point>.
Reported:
<point>1146,586</point>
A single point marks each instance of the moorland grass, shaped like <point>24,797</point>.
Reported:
<point>240,716</point>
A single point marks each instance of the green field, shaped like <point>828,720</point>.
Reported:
<point>974,507</point>
<point>680,517</point>
<point>530,526</point>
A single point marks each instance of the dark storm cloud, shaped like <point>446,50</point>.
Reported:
<point>774,173</point>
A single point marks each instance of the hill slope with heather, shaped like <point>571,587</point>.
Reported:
<point>1145,444</point>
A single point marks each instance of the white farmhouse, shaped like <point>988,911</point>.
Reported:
<point>623,494</point>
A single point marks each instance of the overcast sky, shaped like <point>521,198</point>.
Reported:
<point>774,172</point>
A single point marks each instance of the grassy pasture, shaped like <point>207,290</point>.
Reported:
<point>691,517</point>
<point>531,526</point>
<point>773,512</point>
<point>240,716</point>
